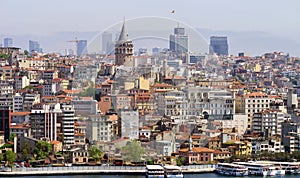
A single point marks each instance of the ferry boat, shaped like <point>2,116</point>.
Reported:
<point>260,169</point>
<point>289,167</point>
<point>154,171</point>
<point>232,169</point>
<point>173,171</point>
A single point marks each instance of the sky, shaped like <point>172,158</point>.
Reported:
<point>277,18</point>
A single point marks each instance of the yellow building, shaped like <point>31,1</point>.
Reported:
<point>240,148</point>
<point>257,68</point>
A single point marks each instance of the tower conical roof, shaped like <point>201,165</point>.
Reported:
<point>123,36</point>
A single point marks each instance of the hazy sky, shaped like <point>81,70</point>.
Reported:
<point>43,17</point>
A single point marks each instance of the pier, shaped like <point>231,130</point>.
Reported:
<point>82,170</point>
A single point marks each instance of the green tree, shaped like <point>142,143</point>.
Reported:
<point>25,151</point>
<point>42,150</point>
<point>12,136</point>
<point>90,91</point>
<point>95,153</point>
<point>1,157</point>
<point>133,151</point>
<point>27,53</point>
<point>10,156</point>
<point>4,56</point>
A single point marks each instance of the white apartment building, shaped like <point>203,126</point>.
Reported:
<point>85,106</point>
<point>6,87</point>
<point>21,82</point>
<point>30,99</point>
<point>67,125</point>
<point>238,122</point>
<point>130,124</point>
<point>17,103</point>
<point>197,100</point>
<point>255,102</point>
<point>268,120</point>
<point>49,89</point>
<point>173,103</point>
<point>221,102</point>
<point>101,128</point>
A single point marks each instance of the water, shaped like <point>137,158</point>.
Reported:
<point>209,175</point>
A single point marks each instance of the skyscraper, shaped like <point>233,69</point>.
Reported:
<point>82,47</point>
<point>34,46</point>
<point>179,42</point>
<point>107,43</point>
<point>124,49</point>
<point>218,45</point>
<point>8,42</point>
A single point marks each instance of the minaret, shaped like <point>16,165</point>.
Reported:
<point>190,143</point>
<point>124,49</point>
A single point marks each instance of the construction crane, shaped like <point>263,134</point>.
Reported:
<point>76,43</point>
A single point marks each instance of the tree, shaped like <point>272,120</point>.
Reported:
<point>12,136</point>
<point>95,153</point>
<point>4,56</point>
<point>89,92</point>
<point>10,156</point>
<point>1,157</point>
<point>25,151</point>
<point>42,150</point>
<point>133,151</point>
<point>27,53</point>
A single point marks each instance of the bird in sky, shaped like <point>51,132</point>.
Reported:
<point>173,11</point>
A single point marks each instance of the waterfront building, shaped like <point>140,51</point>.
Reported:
<point>291,142</point>
<point>196,155</point>
<point>218,45</point>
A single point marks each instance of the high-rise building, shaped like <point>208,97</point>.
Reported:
<point>8,42</point>
<point>179,42</point>
<point>124,49</point>
<point>5,120</point>
<point>218,45</point>
<point>107,43</point>
<point>34,46</point>
<point>67,125</point>
<point>82,47</point>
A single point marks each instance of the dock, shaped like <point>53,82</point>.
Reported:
<point>84,170</point>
